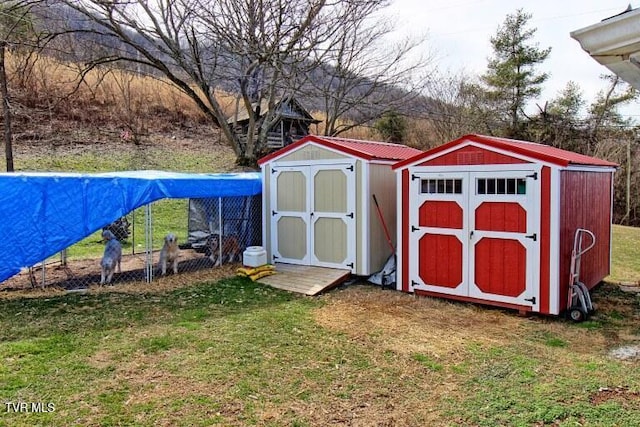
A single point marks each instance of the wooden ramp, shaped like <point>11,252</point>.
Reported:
<point>305,279</point>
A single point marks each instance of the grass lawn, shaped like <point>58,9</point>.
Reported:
<point>235,353</point>
<point>231,352</point>
<point>625,256</point>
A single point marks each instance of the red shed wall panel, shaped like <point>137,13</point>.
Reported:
<point>500,266</point>
<point>585,203</point>
<point>441,214</point>
<point>405,231</point>
<point>501,216</point>
<point>471,155</point>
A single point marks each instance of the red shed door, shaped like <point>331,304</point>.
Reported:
<point>475,234</point>
<point>439,242</point>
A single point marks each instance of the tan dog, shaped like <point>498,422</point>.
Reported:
<point>230,249</point>
<point>169,254</point>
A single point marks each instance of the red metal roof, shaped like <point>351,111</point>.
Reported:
<point>533,150</point>
<point>367,150</point>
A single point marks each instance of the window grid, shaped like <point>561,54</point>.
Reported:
<point>501,186</point>
<point>441,186</point>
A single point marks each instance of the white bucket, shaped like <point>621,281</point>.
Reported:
<point>254,256</point>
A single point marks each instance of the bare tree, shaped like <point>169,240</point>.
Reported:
<point>15,25</point>
<point>256,48</point>
<point>363,74</point>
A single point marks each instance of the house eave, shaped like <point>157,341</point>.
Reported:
<point>615,43</point>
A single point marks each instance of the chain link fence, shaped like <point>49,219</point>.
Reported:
<point>208,233</point>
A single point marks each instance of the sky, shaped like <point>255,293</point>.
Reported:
<point>459,33</point>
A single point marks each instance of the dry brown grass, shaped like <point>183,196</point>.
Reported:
<point>446,327</point>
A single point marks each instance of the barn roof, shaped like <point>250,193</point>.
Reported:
<point>545,153</point>
<point>367,150</point>
<point>287,108</point>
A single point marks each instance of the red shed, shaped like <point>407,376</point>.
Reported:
<point>492,220</point>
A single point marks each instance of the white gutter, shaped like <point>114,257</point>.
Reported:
<point>615,43</point>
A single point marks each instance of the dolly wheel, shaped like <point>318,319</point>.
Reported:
<point>577,315</point>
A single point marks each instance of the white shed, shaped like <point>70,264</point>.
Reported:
<point>318,202</point>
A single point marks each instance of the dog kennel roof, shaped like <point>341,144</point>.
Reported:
<point>43,213</point>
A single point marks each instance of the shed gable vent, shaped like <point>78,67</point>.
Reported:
<point>470,158</point>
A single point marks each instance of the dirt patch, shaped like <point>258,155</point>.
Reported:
<point>439,328</point>
<point>622,395</point>
<point>159,284</point>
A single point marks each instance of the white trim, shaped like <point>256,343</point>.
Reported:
<point>380,161</point>
<point>586,168</point>
<point>265,196</point>
<point>416,199</point>
<point>307,143</point>
<point>399,231</point>
<point>350,223</point>
<point>554,242</point>
<point>347,155</point>
<point>470,143</point>
<point>306,171</point>
<point>530,204</point>
<point>611,224</point>
<point>477,168</point>
<point>317,162</point>
<point>364,259</point>
<point>506,152</point>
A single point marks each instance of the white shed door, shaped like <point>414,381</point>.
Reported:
<point>475,234</point>
<point>313,215</point>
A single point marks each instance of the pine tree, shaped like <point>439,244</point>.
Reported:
<point>511,79</point>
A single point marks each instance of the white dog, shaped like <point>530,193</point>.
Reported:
<point>111,258</point>
<point>169,253</point>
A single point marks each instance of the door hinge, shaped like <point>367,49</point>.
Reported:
<point>350,168</point>
<point>414,283</point>
<point>534,176</point>
<point>274,213</point>
<point>414,228</point>
<point>350,215</point>
<point>414,177</point>
<point>275,256</point>
<point>533,236</point>
<point>532,300</point>
<point>350,265</point>
<point>273,171</point>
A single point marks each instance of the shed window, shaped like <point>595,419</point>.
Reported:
<point>501,186</point>
<point>441,186</point>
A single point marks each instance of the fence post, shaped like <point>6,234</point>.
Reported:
<point>148,243</point>
<point>220,230</point>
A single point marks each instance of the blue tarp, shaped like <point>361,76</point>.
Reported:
<point>43,213</point>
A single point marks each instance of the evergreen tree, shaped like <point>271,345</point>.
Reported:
<point>511,79</point>
<point>392,127</point>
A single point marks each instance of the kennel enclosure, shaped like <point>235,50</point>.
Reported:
<point>44,213</point>
<point>318,206</point>
<point>492,220</point>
